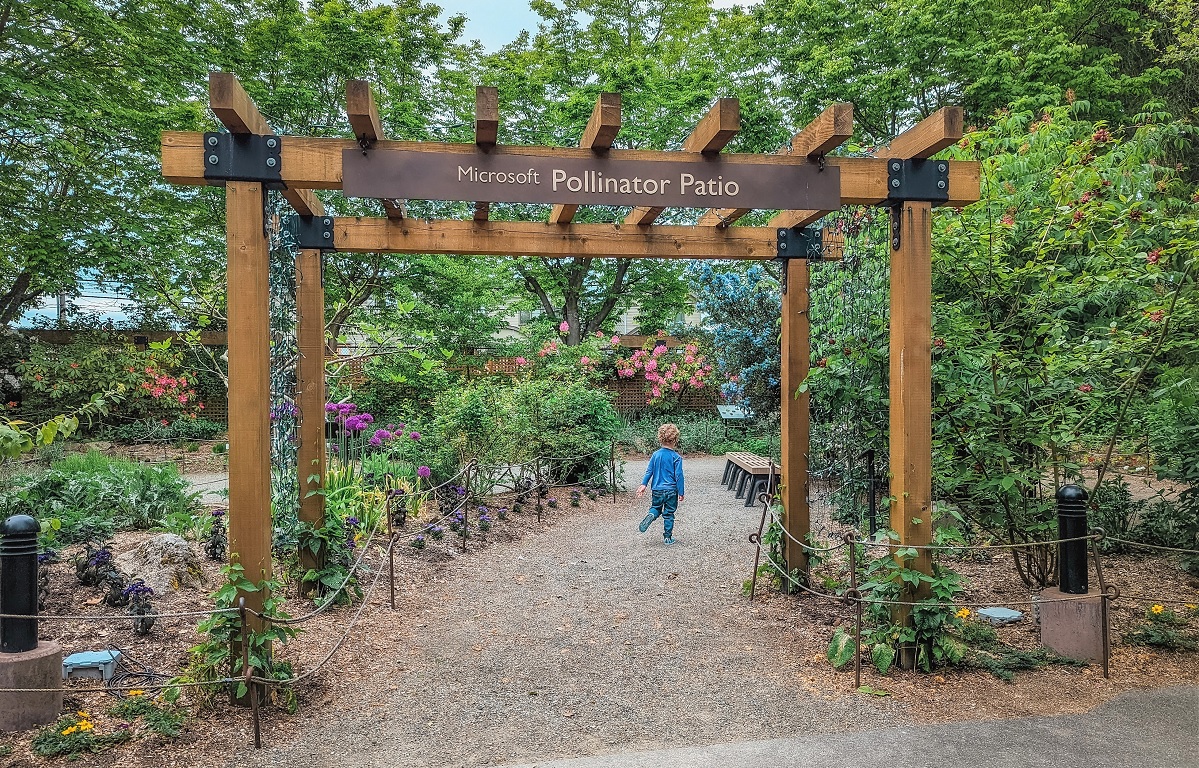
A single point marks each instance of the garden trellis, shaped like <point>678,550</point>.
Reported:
<point>802,180</point>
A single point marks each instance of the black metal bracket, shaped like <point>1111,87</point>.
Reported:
<point>918,180</point>
<point>798,243</point>
<point>315,232</point>
<point>243,157</point>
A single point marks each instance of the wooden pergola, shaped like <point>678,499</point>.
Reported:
<point>249,159</point>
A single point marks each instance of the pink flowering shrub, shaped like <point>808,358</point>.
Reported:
<point>670,373</point>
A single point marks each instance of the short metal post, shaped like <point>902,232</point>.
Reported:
<point>756,540</point>
<point>1108,593</point>
<point>856,597</point>
<point>18,583</point>
<point>873,491</point>
<point>391,546</point>
<point>247,671</point>
<point>1072,524</point>
<point>612,470</point>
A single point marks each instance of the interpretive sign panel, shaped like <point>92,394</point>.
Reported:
<point>691,181</point>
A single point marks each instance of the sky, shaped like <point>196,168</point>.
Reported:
<point>495,23</point>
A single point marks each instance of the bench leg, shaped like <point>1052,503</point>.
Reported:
<point>755,487</point>
<point>745,478</point>
<point>728,465</point>
<point>734,476</point>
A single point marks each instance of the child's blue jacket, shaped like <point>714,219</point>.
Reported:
<point>666,468</point>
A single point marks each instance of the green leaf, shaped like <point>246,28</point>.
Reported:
<point>840,649</point>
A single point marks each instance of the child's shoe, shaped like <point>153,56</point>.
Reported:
<point>669,541</point>
<point>644,526</point>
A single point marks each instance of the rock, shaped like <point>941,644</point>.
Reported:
<point>1000,616</point>
<point>165,562</point>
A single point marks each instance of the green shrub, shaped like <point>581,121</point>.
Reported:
<point>151,430</point>
<point>90,496</point>
<point>701,434</point>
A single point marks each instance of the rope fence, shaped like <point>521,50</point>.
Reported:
<point>854,597</point>
<point>463,482</point>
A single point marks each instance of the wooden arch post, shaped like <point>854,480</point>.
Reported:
<point>250,527</point>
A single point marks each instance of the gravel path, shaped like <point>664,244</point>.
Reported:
<point>212,486</point>
<point>583,638</point>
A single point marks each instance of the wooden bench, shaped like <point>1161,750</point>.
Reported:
<point>749,474</point>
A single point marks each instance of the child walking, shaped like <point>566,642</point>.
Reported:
<point>666,470</point>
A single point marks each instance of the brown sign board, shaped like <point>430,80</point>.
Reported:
<point>694,182</point>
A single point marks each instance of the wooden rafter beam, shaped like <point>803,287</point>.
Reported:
<point>368,129</point>
<point>929,136</point>
<point>487,132</point>
<point>598,136</point>
<point>832,128</point>
<point>315,163</point>
<point>526,238</point>
<point>487,116</point>
<point>791,219</point>
<point>712,133</point>
<point>237,112</point>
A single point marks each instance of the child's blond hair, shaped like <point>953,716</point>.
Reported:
<point>668,435</point>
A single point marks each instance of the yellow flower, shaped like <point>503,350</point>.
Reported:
<point>69,731</point>
<point>1157,610</point>
<point>963,613</point>
<point>85,726</point>
<point>1192,607</point>
<point>82,714</point>
<point>136,692</point>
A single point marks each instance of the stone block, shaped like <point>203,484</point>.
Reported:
<point>1072,625</point>
<point>39,668</point>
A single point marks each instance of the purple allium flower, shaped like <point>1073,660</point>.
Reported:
<point>330,407</point>
<point>392,427</point>
<point>382,434</point>
<point>414,435</point>
<point>137,589</point>
<point>424,472</point>
<point>366,418</point>
<point>484,518</point>
<point>375,441</point>
<point>218,512</point>
<point>352,522</point>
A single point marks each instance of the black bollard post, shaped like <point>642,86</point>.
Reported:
<point>18,583</point>
<point>1072,555</point>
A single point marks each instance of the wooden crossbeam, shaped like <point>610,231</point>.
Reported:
<point>233,106</point>
<point>237,112</point>
<point>315,163</point>
<point>712,134</point>
<point>831,128</point>
<point>929,136</point>
<point>784,219</point>
<point>531,238</point>
<point>368,129</point>
<point>487,116</point>
<point>601,130</point>
<point>482,211</point>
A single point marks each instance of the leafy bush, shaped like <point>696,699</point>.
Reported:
<point>90,496</point>
<point>496,423</point>
<point>147,430</point>
<point>702,434</point>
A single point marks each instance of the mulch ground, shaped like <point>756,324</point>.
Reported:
<point>578,636</point>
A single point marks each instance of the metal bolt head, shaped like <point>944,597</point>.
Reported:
<point>271,162</point>
<point>782,233</point>
<point>272,142</point>
<point>895,242</point>
<point>782,246</point>
<point>941,184</point>
<point>895,166</point>
<point>213,159</point>
<point>327,235</point>
<point>327,222</point>
<point>895,183</point>
<point>942,168</point>
<point>212,141</point>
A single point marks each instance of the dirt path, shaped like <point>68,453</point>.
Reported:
<point>578,640</point>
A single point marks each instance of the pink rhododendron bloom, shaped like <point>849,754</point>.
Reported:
<point>599,334</point>
<point>616,341</point>
<point>689,359</point>
<point>183,399</point>
<point>651,365</point>
<point>564,326</point>
<point>657,392</point>
<point>675,386</point>
<point>659,350</point>
<point>585,360</point>
<point>520,361</point>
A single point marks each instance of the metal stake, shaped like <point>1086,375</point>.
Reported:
<point>854,596</point>
<point>391,558</point>
<point>756,540</point>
